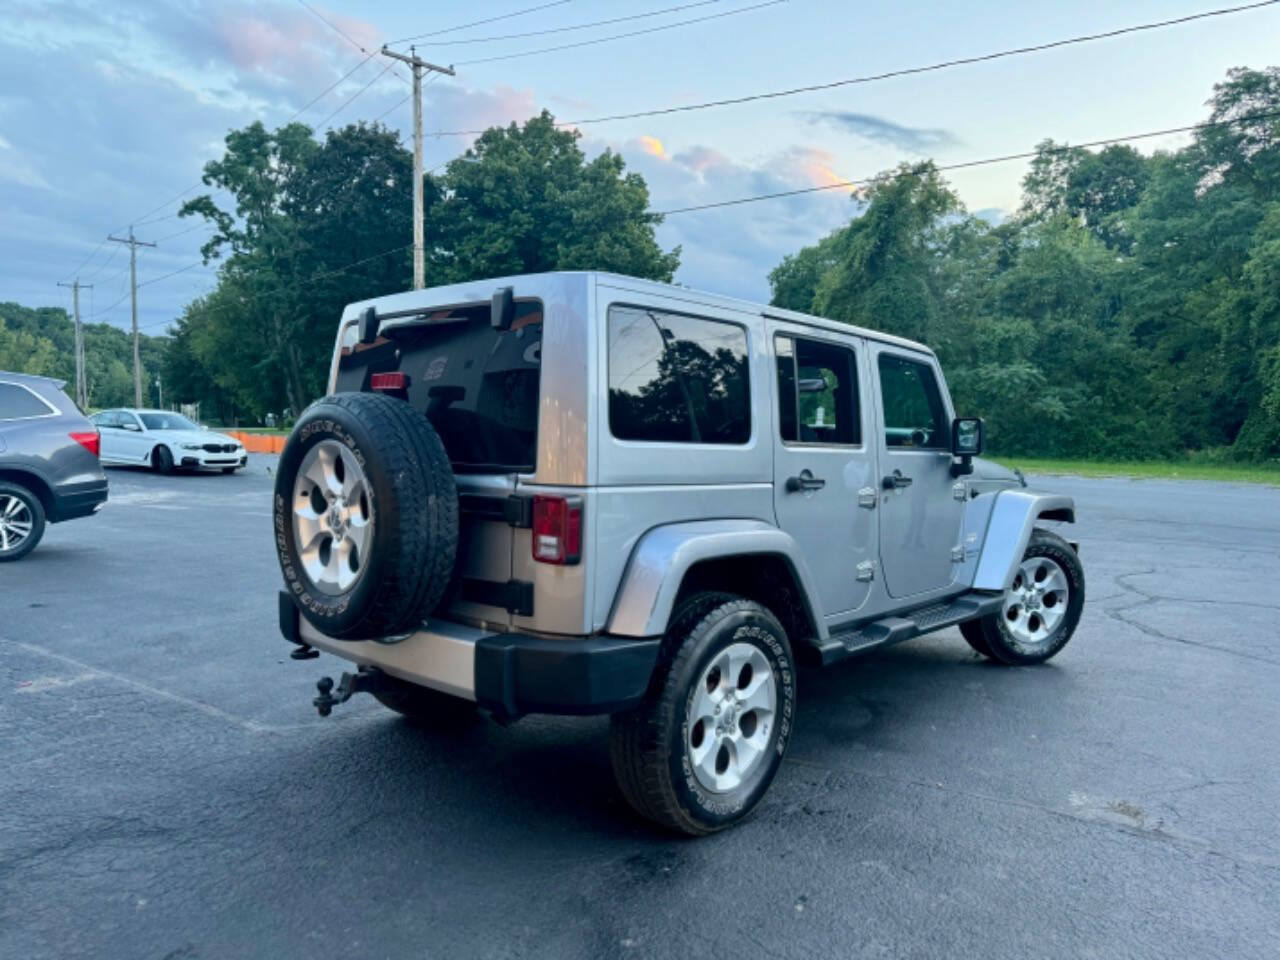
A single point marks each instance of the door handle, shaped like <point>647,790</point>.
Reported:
<point>895,481</point>
<point>805,483</point>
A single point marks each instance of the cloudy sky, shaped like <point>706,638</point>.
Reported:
<point>109,111</point>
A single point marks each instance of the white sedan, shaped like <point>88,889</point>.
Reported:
<point>164,441</point>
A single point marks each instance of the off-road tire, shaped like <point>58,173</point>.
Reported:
<point>162,460</point>
<point>649,744</point>
<point>36,509</point>
<point>1003,646</point>
<point>423,705</point>
<point>414,505</point>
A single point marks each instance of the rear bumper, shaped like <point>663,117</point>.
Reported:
<point>74,500</point>
<point>509,673</point>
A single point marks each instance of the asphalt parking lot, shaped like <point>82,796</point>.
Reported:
<point>167,790</point>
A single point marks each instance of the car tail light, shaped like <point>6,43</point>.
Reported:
<point>389,382</point>
<point>90,441</point>
<point>557,529</point>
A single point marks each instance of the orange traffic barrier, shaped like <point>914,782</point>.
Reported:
<point>259,442</point>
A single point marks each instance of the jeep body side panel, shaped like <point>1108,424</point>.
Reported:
<point>1012,517</point>
<point>664,555</point>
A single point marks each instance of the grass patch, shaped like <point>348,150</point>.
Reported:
<point>1150,469</point>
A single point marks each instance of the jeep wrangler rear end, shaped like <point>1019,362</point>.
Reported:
<point>582,493</point>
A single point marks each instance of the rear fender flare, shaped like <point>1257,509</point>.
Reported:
<point>1012,519</point>
<point>658,564</point>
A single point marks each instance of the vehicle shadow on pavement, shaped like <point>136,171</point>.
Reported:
<point>544,775</point>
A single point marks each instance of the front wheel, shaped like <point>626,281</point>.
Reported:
<point>162,460</point>
<point>701,750</point>
<point>1041,608</point>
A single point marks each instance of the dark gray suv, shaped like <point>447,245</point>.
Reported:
<point>49,470</point>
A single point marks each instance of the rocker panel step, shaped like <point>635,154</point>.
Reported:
<point>895,629</point>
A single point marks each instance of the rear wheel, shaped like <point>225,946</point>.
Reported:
<point>162,460</point>
<point>701,750</point>
<point>21,521</point>
<point>1041,608</point>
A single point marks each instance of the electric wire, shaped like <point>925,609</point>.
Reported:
<point>578,26</point>
<point>478,23</point>
<point>902,72</point>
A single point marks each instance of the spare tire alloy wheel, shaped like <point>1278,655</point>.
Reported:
<point>366,516</point>
<point>332,517</point>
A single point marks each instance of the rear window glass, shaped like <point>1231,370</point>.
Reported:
<point>19,403</point>
<point>478,386</point>
<point>677,379</point>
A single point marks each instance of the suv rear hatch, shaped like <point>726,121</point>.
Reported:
<point>478,384</point>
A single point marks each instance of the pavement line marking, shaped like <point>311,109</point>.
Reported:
<point>52,683</point>
<point>252,726</point>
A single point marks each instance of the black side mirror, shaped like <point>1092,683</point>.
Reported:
<point>966,443</point>
<point>966,436</point>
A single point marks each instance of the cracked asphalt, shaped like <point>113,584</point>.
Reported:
<point>167,791</point>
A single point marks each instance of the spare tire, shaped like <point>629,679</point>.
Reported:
<point>366,516</point>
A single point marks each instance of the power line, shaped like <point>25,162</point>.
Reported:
<point>86,260</point>
<point>906,71</point>
<point>346,103</point>
<point>1027,155</point>
<point>577,26</point>
<point>478,23</point>
<point>327,90</point>
<point>301,283</point>
<point>632,33</point>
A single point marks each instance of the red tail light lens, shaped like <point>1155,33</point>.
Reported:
<point>389,382</point>
<point>557,530</point>
<point>90,441</point>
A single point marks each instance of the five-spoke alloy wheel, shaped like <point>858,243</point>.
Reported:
<point>21,521</point>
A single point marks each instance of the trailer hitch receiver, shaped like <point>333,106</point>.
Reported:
<point>366,681</point>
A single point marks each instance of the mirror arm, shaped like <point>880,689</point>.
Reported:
<point>963,468</point>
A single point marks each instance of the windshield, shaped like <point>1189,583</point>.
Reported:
<point>167,421</point>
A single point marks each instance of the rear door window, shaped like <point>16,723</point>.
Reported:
<point>674,378</point>
<point>19,403</point>
<point>478,386</point>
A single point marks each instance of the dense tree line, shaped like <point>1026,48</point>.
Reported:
<point>42,341</point>
<point>314,225</point>
<point>1131,308</point>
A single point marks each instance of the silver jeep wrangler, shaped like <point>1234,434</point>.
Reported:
<point>581,493</point>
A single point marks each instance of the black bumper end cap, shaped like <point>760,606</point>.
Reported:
<point>517,674</point>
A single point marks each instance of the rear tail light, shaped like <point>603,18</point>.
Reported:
<point>90,441</point>
<point>389,382</point>
<point>557,529</point>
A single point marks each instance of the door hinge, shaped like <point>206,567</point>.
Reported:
<point>866,570</point>
<point>867,497</point>
<point>957,554</point>
<point>958,490</point>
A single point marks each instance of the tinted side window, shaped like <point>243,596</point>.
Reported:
<point>817,393</point>
<point>18,403</point>
<point>677,379</point>
<point>913,411</point>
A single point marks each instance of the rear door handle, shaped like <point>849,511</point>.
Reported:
<point>805,483</point>
<point>895,481</point>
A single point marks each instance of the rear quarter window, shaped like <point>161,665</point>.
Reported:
<point>675,378</point>
<point>20,403</point>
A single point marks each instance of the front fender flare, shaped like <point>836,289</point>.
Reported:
<point>1013,517</point>
<point>662,557</point>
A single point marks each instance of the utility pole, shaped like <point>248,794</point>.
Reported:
<point>133,291</point>
<point>81,392</point>
<point>418,66</point>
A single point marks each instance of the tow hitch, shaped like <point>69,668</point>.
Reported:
<point>365,681</point>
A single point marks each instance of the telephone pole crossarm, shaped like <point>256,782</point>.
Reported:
<point>418,65</point>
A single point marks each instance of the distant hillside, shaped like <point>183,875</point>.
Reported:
<point>41,340</point>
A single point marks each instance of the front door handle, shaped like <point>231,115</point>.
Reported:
<point>805,483</point>
<point>895,481</point>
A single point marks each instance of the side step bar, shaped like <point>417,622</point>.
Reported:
<point>881,633</point>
